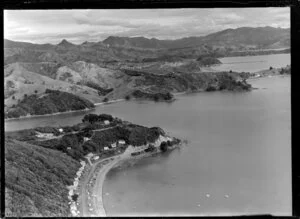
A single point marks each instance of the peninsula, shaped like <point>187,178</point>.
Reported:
<point>71,163</point>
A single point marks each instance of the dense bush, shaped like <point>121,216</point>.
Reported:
<point>207,61</point>
<point>36,180</point>
<point>101,91</point>
<point>163,146</point>
<point>150,148</point>
<point>93,118</point>
<point>55,101</point>
<point>211,88</point>
<point>74,197</point>
<point>103,117</point>
<point>152,96</point>
<point>127,97</point>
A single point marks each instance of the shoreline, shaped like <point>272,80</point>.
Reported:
<point>45,115</point>
<point>98,188</point>
<point>267,76</point>
<point>66,112</point>
<point>115,101</point>
<point>98,174</point>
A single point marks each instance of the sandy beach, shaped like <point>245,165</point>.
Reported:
<point>91,192</point>
<point>91,197</point>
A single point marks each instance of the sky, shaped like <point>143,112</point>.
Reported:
<point>77,26</point>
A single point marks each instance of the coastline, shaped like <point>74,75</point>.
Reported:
<point>66,112</point>
<point>116,100</point>
<point>267,76</point>
<point>45,115</point>
<point>92,187</point>
<point>72,111</point>
<point>98,188</point>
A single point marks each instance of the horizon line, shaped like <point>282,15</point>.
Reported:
<point>155,38</point>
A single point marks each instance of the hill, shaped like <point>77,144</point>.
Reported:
<point>100,71</point>
<point>259,37</point>
<point>41,163</point>
<point>35,78</point>
<point>52,101</point>
<point>97,84</point>
<point>36,180</point>
<point>139,48</point>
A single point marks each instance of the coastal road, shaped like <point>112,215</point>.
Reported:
<point>60,136</point>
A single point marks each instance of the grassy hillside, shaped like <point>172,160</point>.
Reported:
<point>20,80</point>
<point>95,70</point>
<point>180,82</point>
<point>52,101</point>
<point>36,180</point>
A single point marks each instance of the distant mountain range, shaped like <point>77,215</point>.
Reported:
<point>260,37</point>
<point>253,37</point>
<point>119,66</point>
<point>221,44</point>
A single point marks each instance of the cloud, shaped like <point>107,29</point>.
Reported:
<point>43,26</point>
<point>120,23</point>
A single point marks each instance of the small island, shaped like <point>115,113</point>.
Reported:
<point>77,160</point>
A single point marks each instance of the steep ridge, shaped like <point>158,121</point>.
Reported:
<point>36,180</point>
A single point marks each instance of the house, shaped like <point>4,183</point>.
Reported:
<point>85,139</point>
<point>114,145</point>
<point>89,155</point>
<point>106,122</point>
<point>68,148</point>
<point>60,130</point>
<point>106,148</point>
<point>121,142</point>
<point>96,158</point>
<point>44,135</point>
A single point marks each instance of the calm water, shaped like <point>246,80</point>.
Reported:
<point>239,147</point>
<point>253,63</point>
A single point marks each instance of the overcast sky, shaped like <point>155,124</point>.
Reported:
<point>77,26</point>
